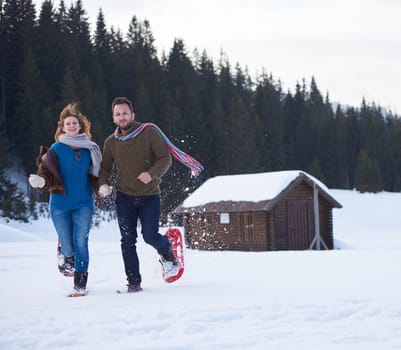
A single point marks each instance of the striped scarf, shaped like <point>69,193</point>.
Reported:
<point>181,156</point>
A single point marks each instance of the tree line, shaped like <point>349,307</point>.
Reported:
<point>215,111</point>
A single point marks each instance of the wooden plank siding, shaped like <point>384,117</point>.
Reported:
<point>302,194</point>
<point>253,228</point>
<point>284,223</point>
<point>270,229</point>
<point>299,224</point>
<point>246,231</point>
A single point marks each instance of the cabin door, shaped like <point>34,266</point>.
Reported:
<point>298,220</point>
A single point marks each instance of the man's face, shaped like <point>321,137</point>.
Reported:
<point>122,116</point>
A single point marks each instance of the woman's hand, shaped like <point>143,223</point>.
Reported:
<point>36,181</point>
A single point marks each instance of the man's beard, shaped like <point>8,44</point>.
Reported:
<point>126,126</point>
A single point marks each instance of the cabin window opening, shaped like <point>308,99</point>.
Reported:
<point>224,218</point>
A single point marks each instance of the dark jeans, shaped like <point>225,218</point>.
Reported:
<point>147,210</point>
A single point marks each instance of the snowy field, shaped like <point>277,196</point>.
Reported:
<point>347,298</point>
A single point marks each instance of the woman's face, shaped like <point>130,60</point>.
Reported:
<point>71,126</point>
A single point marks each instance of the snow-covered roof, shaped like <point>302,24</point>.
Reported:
<point>246,187</point>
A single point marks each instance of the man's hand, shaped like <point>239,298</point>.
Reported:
<point>36,181</point>
<point>145,177</point>
<point>104,191</point>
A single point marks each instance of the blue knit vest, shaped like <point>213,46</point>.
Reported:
<point>73,167</point>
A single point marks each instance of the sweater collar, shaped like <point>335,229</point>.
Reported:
<point>135,125</point>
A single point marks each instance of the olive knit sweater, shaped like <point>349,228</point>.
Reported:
<point>147,152</point>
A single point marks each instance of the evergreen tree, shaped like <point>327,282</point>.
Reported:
<point>237,142</point>
<point>3,65</point>
<point>353,143</point>
<point>102,44</point>
<point>17,28</point>
<point>391,158</point>
<point>216,113</point>
<point>12,200</point>
<point>372,126</point>
<point>181,80</point>
<point>341,159</point>
<point>290,121</point>
<point>69,91</point>
<point>30,123</point>
<point>209,109</point>
<point>79,51</point>
<point>269,110</point>
<point>315,169</point>
<point>316,128</point>
<point>62,18</point>
<point>50,53</point>
<point>182,114</point>
<point>145,69</point>
<point>226,124</point>
<point>140,37</point>
<point>315,103</point>
<point>96,103</point>
<point>368,176</point>
<point>326,143</point>
<point>304,133</point>
<point>4,161</point>
<point>240,155</point>
<point>117,43</point>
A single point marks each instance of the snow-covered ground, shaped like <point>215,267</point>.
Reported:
<point>347,298</point>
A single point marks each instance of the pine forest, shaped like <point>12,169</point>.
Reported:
<point>214,111</point>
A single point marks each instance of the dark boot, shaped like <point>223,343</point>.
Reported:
<point>80,280</point>
<point>169,263</point>
<point>169,255</point>
<point>65,264</point>
<point>134,287</point>
<point>69,266</point>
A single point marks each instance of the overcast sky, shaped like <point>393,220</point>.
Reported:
<point>351,47</point>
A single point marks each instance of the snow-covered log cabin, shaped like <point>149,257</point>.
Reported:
<point>284,210</point>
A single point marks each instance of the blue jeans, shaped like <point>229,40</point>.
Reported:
<point>147,210</point>
<point>72,228</point>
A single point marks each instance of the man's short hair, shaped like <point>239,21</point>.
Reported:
<point>121,101</point>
